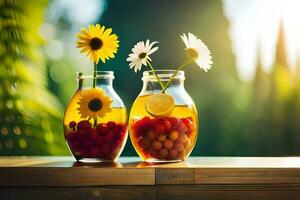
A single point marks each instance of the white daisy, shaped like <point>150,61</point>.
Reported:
<point>140,54</point>
<point>198,51</point>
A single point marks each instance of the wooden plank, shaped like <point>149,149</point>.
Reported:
<point>174,176</point>
<point>85,193</point>
<point>246,175</point>
<point>33,176</point>
<point>162,192</point>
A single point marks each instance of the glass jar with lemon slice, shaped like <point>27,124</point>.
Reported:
<point>95,120</point>
<point>163,125</point>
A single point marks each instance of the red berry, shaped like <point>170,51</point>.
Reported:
<point>174,122</point>
<point>111,125</point>
<point>106,149</point>
<point>102,129</point>
<point>71,136</point>
<point>109,137</point>
<point>99,140</point>
<point>72,125</point>
<point>168,126</point>
<point>160,129</point>
<point>182,128</point>
<point>92,133</point>
<point>75,145</point>
<point>80,134</point>
<point>85,124</point>
<point>84,153</point>
<point>94,152</point>
<point>88,143</point>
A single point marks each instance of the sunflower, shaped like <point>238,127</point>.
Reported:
<point>98,43</point>
<point>94,103</point>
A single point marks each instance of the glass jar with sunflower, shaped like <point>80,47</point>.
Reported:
<point>163,120</point>
<point>95,120</point>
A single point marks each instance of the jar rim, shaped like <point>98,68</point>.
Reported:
<point>163,74</point>
<point>99,74</point>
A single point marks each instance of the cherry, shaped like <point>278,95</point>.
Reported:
<point>109,137</point>
<point>102,129</point>
<point>99,140</point>
<point>72,125</point>
<point>173,154</point>
<point>85,124</point>
<point>94,152</point>
<point>111,125</point>
<point>160,129</point>
<point>92,133</point>
<point>105,149</point>
<point>88,143</point>
<point>151,135</point>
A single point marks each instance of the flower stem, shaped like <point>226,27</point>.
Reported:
<point>183,64</point>
<point>158,79</point>
<point>95,75</point>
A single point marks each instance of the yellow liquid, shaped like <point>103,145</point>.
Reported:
<point>118,114</point>
<point>138,112</point>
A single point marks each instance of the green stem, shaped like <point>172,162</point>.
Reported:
<point>158,79</point>
<point>95,75</point>
<point>183,64</point>
<point>94,86</point>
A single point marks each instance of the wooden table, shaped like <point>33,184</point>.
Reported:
<point>198,178</point>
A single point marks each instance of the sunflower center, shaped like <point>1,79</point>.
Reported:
<point>192,52</point>
<point>95,105</point>
<point>142,55</point>
<point>96,43</point>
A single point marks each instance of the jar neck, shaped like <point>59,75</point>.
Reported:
<point>150,81</point>
<point>102,78</point>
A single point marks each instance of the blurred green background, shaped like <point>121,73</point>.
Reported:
<point>249,103</point>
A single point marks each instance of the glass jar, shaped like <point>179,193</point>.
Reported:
<point>168,138</point>
<point>95,120</point>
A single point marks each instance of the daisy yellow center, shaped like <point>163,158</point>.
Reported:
<point>142,55</point>
<point>192,52</point>
<point>95,105</point>
<point>96,43</point>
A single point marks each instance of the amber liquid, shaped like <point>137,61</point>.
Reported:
<point>92,146</point>
<point>181,113</point>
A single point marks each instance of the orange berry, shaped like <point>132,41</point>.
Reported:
<point>179,146</point>
<point>187,143</point>
<point>152,153</point>
<point>156,145</point>
<point>144,143</point>
<point>162,138</point>
<point>173,153</point>
<point>151,135</point>
<point>182,138</point>
<point>168,144</point>
<point>173,135</point>
<point>163,153</point>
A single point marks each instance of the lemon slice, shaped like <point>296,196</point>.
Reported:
<point>160,105</point>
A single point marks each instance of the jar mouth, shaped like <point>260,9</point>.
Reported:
<point>99,74</point>
<point>163,74</point>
